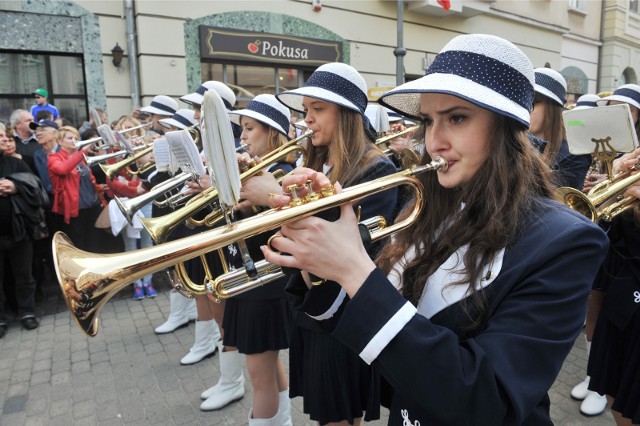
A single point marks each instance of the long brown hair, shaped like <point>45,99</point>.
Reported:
<point>350,150</point>
<point>498,201</point>
<point>553,128</point>
<point>275,140</point>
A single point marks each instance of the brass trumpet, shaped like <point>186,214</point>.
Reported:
<point>161,227</point>
<point>406,131</point>
<point>132,205</point>
<point>595,205</point>
<point>81,144</point>
<point>89,280</point>
<point>111,170</point>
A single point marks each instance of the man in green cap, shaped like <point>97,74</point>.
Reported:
<point>42,104</point>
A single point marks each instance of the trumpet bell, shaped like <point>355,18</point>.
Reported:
<point>84,302</point>
<point>577,201</point>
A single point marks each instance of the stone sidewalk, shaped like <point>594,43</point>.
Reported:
<point>128,375</point>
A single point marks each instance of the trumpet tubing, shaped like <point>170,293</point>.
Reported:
<point>89,280</point>
<point>406,131</point>
<point>112,169</point>
<point>161,227</point>
<point>238,281</point>
<point>593,205</point>
<point>132,205</point>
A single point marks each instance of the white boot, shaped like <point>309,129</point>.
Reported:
<point>274,421</point>
<point>581,390</point>
<point>230,386</point>
<point>207,334</point>
<point>181,311</point>
<point>284,409</point>
<point>594,404</point>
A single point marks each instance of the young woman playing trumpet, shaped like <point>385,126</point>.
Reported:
<point>336,385</point>
<point>470,312</point>
<point>257,322</point>
<point>614,361</point>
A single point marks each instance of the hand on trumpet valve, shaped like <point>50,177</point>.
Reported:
<point>592,180</point>
<point>396,127</point>
<point>306,244</point>
<point>195,186</point>
<point>244,161</point>
<point>628,162</point>
<point>298,186</point>
<point>398,144</point>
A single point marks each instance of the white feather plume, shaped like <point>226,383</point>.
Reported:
<point>219,148</point>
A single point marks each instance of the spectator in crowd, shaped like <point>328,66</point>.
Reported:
<point>10,147</point>
<point>26,142</point>
<point>47,136</point>
<point>74,193</point>
<point>16,188</point>
<point>42,104</point>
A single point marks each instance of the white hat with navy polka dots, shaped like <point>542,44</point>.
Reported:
<point>627,93</point>
<point>587,101</point>
<point>551,84</point>
<point>335,82</point>
<point>267,110</point>
<point>227,95</point>
<point>485,70</point>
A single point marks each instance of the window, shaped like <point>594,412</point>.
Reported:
<point>633,5</point>
<point>248,81</point>
<point>576,4</point>
<point>61,75</point>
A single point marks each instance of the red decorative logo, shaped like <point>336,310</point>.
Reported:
<point>253,47</point>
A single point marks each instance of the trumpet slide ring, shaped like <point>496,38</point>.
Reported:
<point>277,234</point>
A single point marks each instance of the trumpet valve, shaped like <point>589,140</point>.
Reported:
<point>311,194</point>
<point>327,191</point>
<point>295,199</point>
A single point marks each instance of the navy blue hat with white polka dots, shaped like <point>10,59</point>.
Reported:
<point>627,93</point>
<point>267,110</point>
<point>551,84</point>
<point>335,82</point>
<point>486,70</point>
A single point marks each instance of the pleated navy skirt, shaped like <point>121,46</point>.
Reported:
<point>334,382</point>
<point>614,361</point>
<point>255,326</point>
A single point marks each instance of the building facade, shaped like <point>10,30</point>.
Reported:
<point>269,46</point>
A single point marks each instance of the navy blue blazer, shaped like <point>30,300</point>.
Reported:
<point>301,298</point>
<point>570,169</point>
<point>500,374</point>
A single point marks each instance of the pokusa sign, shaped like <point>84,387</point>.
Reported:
<point>222,43</point>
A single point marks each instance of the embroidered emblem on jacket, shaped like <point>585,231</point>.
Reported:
<point>405,419</point>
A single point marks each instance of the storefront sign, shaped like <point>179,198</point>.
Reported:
<point>222,43</point>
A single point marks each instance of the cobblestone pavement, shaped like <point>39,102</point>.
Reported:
<point>128,375</point>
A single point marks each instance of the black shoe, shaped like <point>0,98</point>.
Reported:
<point>3,329</point>
<point>29,323</point>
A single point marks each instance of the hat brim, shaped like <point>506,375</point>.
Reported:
<point>168,122</point>
<point>193,99</point>
<point>234,116</point>
<point>293,98</point>
<point>405,99</point>
<point>157,111</point>
<point>547,93</point>
<point>625,99</point>
<point>33,125</point>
